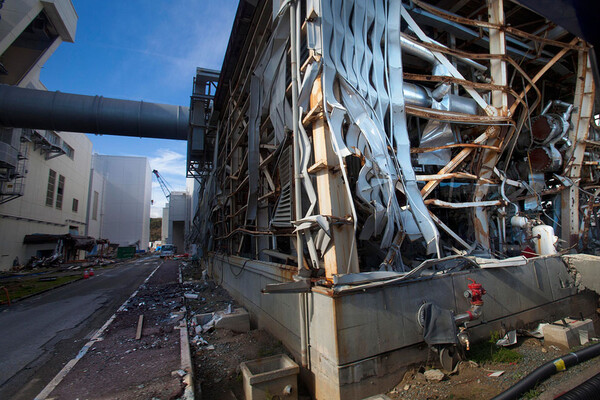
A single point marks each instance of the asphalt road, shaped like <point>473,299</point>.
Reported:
<point>39,335</point>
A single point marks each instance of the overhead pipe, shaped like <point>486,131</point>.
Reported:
<point>41,109</point>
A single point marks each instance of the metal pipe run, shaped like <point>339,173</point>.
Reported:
<point>40,109</point>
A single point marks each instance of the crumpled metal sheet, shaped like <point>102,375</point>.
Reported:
<point>435,134</point>
<point>365,100</point>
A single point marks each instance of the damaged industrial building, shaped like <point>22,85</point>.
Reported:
<point>378,174</point>
<point>383,180</point>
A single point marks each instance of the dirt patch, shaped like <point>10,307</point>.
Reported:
<point>473,380</point>
<point>216,364</point>
<point>121,367</point>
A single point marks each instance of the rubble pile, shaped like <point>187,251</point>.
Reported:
<point>221,338</point>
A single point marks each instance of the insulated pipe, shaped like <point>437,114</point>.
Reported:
<point>547,370</point>
<point>413,48</point>
<point>40,109</point>
<point>294,68</point>
<point>421,96</point>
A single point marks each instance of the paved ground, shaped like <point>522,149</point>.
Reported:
<point>41,334</point>
<point>119,366</point>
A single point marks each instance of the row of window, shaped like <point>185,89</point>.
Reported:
<point>59,188</point>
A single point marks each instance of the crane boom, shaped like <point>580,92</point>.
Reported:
<point>164,186</point>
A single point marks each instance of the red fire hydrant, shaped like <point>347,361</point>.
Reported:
<point>475,291</point>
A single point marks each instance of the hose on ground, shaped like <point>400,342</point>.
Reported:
<point>545,371</point>
<point>588,390</point>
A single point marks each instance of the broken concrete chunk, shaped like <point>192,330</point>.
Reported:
<point>569,335</point>
<point>191,295</point>
<point>237,321</point>
<point>434,375</point>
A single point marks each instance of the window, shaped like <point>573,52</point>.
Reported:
<point>75,205</point>
<point>51,187</point>
<point>68,150</point>
<point>60,191</point>
<point>95,207</point>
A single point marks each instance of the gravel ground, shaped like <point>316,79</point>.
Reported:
<point>216,365</point>
<point>121,367</point>
<point>472,381</point>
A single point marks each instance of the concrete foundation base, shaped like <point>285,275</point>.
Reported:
<point>361,343</point>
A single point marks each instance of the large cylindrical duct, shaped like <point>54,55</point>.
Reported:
<point>39,109</point>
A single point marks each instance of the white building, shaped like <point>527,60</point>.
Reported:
<point>179,220</point>
<point>43,174</point>
<point>122,212</point>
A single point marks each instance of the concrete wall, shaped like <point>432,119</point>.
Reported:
<point>362,342</point>
<point>126,205</point>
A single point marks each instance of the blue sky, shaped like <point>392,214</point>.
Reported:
<point>142,50</point>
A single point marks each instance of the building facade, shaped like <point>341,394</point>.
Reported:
<point>124,200</point>
<point>43,174</point>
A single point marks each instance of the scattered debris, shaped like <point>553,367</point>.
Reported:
<point>434,375</point>
<point>140,324</point>
<point>509,339</point>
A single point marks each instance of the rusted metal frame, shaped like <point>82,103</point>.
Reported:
<point>588,219</point>
<point>232,128</point>
<point>255,39</point>
<point>456,161</point>
<point>548,192</point>
<point>233,103</point>
<point>267,160</point>
<point>267,174</point>
<point>454,146</point>
<point>449,231</point>
<point>439,55</point>
<point>542,71</point>
<point>340,256</point>
<point>239,187</point>
<point>530,85</point>
<point>489,159</point>
<point>238,173</point>
<point>458,175</point>
<point>584,98</point>
<point>468,204</point>
<point>269,195</point>
<point>451,116</point>
<point>464,82</point>
<point>250,232</point>
<point>490,25</point>
<point>312,114</point>
<point>238,212</point>
<point>238,141</point>
<point>450,79</point>
<point>499,57</point>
